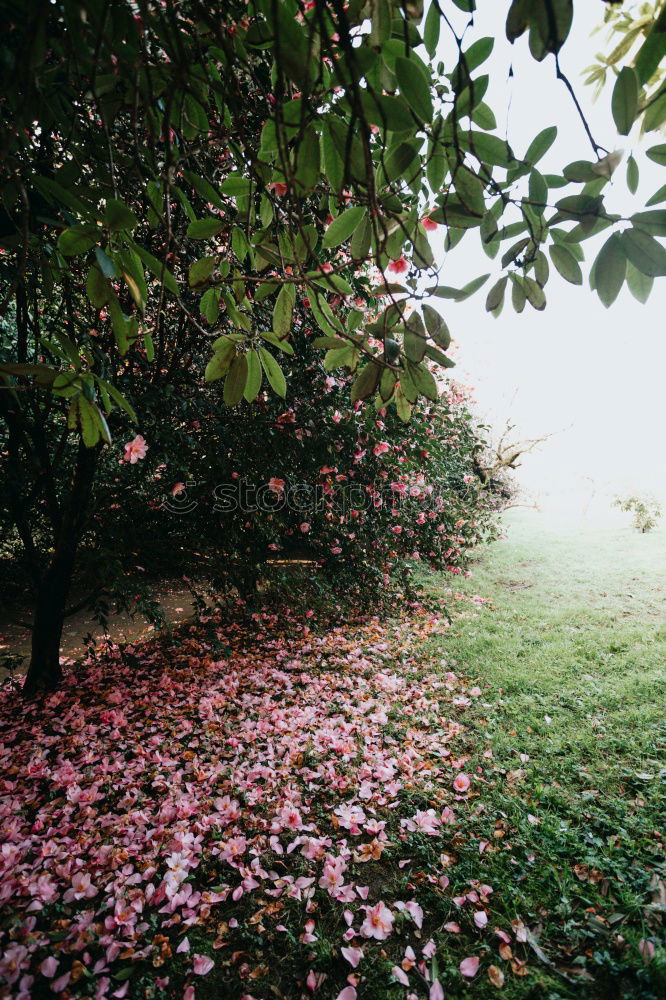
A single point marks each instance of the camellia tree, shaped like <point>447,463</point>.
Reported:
<point>179,170</point>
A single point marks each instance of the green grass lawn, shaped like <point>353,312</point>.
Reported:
<point>571,657</point>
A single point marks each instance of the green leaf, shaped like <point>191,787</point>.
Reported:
<point>624,103</point>
<point>235,382</point>
<point>518,296</point>
<point>491,149</point>
<point>106,265</point>
<point>274,373</point>
<point>415,338</point>
<point>658,154</point>
<point>119,323</point>
<point>495,297</point>
<point>307,167</point>
<point>342,228</point>
<point>218,366</point>
<point>402,405</point>
<point>132,271</point>
<point>652,50</point>
<point>387,112</point>
<point>566,264</point>
<point>610,269</point>
<point>632,175</point>
<point>655,116</point>
<point>283,310</point>
<point>648,256</point>
<point>203,229</point>
<point>365,382</point>
<point>275,341</point>
<point>76,240</point>
<point>118,217</point>
<point>97,288</point>
<point>415,87</point>
<point>470,191</point>
<point>254,376</point>
<point>541,144</point>
<point>535,294</point>
<point>90,431</point>
<point>200,271</point>
<point>431,29</point>
<point>157,269</point>
<point>425,381</point>
<point>209,306</point>
<point>436,327</point>
<point>658,196</point>
<point>640,285</point>
<point>435,355</point>
<point>653,222</point>
<point>580,172</point>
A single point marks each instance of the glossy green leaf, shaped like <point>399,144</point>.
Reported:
<point>640,285</point>
<point>624,103</point>
<point>274,373</point>
<point>415,87</point>
<point>204,229</point>
<point>645,253</point>
<point>610,269</point>
<point>566,264</point>
<point>118,217</point>
<point>254,376</point>
<point>200,271</point>
<point>236,380</point>
<point>343,226</point>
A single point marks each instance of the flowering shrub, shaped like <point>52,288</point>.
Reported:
<point>346,486</point>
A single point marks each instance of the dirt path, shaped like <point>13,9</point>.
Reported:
<point>174,599</point>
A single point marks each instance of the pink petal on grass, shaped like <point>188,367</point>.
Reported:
<point>436,991</point>
<point>202,965</point>
<point>353,955</point>
<point>349,993</point>
<point>400,975</point>
<point>469,966</point>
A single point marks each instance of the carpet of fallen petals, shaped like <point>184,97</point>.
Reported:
<point>243,809</point>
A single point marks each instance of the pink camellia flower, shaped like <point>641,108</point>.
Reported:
<point>378,922</point>
<point>82,887</point>
<point>469,966</point>
<point>398,266</point>
<point>276,485</point>
<point>203,964</point>
<point>461,783</point>
<point>305,527</point>
<point>134,450</point>
<point>279,187</point>
<point>178,489</point>
<point>428,223</point>
<point>381,448</point>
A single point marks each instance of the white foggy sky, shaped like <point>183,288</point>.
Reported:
<point>595,376</point>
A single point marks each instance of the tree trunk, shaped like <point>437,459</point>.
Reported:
<point>45,672</point>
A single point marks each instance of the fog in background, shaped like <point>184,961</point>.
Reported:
<point>593,377</point>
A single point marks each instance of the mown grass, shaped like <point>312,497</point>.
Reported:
<point>571,656</point>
